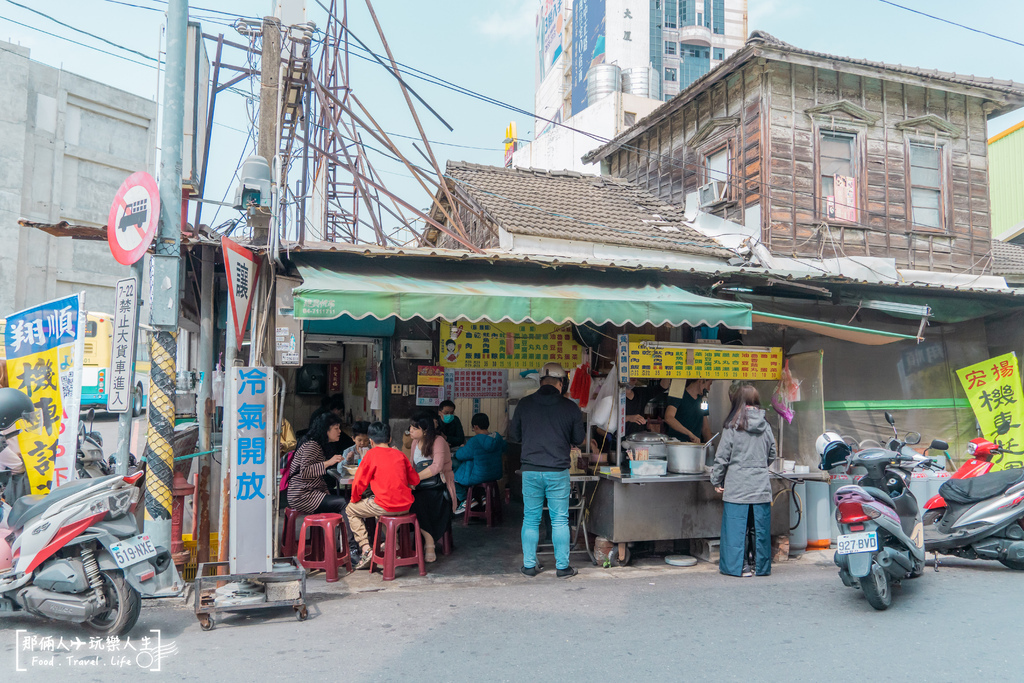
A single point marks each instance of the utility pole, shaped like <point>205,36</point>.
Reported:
<point>166,294</point>
<point>205,403</point>
<point>266,140</point>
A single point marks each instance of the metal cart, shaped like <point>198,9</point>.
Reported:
<point>206,608</point>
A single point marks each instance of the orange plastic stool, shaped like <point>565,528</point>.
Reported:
<point>324,551</point>
<point>289,543</point>
<point>397,550</point>
<point>492,504</point>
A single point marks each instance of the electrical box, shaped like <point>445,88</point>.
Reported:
<point>288,336</point>
<point>415,349</point>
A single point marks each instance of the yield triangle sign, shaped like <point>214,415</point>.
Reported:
<point>242,269</point>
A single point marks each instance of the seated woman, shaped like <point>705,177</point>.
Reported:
<point>353,454</point>
<point>307,489</point>
<point>435,496</point>
<point>479,460</point>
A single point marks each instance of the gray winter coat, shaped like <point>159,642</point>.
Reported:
<point>742,459</point>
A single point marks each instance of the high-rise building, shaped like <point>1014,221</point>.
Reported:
<point>691,37</point>
<point>602,65</point>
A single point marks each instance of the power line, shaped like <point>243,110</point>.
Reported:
<point>951,22</point>
<point>70,40</point>
<point>82,31</point>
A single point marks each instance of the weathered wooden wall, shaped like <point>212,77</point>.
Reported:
<point>792,225</point>
<point>661,160</point>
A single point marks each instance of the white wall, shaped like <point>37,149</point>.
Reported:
<point>561,148</point>
<point>66,145</point>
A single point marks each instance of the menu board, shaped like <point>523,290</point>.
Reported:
<point>507,345</point>
<point>700,361</point>
<point>475,383</point>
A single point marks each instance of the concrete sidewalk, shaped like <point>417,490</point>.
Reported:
<point>492,557</point>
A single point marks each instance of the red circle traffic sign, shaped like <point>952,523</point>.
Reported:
<point>131,225</point>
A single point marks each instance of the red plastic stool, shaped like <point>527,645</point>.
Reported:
<point>289,542</point>
<point>447,542</point>
<point>492,504</point>
<point>395,556</point>
<point>324,551</point>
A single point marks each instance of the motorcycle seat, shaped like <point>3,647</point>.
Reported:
<point>977,489</point>
<point>27,507</point>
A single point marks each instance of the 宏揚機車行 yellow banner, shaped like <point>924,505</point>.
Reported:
<point>994,390</point>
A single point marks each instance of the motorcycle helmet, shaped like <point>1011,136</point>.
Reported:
<point>14,406</point>
<point>832,451</point>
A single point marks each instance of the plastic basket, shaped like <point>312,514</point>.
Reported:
<point>189,572</point>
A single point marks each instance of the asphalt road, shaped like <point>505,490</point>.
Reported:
<point>800,624</point>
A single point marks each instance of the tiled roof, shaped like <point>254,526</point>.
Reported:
<point>573,206</point>
<point>1010,87</point>
<point>1007,258</point>
<point>761,43</point>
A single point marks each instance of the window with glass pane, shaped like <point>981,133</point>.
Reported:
<point>670,13</point>
<point>687,13</point>
<point>670,75</point>
<point>718,18</point>
<point>836,158</point>
<point>716,166</point>
<point>925,186</point>
<point>719,53</point>
<point>670,47</point>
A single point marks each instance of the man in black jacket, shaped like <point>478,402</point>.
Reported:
<point>547,425</point>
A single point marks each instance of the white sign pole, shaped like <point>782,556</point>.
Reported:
<point>250,435</point>
<point>120,395</point>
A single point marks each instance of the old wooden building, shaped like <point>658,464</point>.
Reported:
<point>827,156</point>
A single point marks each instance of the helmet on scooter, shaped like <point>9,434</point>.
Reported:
<point>832,451</point>
<point>14,406</point>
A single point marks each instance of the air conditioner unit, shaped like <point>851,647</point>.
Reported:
<point>324,352</point>
<point>711,193</point>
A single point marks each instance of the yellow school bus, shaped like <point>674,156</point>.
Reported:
<point>99,339</point>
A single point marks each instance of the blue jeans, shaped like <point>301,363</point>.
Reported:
<point>555,487</point>
<point>734,538</point>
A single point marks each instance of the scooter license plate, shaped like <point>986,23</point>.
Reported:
<point>133,550</point>
<point>857,543</point>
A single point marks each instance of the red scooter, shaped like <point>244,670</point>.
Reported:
<point>981,452</point>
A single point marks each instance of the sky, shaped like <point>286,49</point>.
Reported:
<point>486,46</point>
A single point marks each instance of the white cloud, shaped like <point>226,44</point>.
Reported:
<point>510,20</point>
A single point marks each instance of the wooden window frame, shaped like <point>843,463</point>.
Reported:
<point>945,189</point>
<point>712,147</point>
<point>859,133</point>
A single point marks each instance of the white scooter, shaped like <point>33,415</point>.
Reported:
<point>75,554</point>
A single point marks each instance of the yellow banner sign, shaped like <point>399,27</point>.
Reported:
<point>994,389</point>
<point>507,345</point>
<point>700,361</point>
<point>44,351</point>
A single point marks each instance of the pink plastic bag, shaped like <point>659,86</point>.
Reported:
<point>786,392</point>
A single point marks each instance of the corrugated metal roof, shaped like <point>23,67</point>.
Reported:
<point>628,264</point>
<point>1006,180</point>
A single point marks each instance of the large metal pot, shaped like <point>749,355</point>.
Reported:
<point>654,443</point>
<point>685,458</point>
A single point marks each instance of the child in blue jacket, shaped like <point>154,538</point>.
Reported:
<point>479,460</point>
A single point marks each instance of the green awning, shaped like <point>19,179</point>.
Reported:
<point>857,335</point>
<point>337,284</point>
